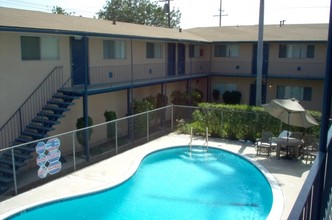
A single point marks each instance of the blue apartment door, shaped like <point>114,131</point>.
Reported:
<point>78,60</point>
<point>252,98</point>
<point>181,59</point>
<point>266,47</point>
<point>171,58</point>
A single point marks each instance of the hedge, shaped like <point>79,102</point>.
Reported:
<point>241,121</point>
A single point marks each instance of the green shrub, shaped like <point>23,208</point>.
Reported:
<point>232,98</point>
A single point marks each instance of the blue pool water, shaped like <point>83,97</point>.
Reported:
<point>174,184</point>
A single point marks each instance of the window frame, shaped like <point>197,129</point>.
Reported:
<point>114,49</point>
<point>194,51</point>
<point>296,51</point>
<point>226,50</point>
<point>154,50</point>
<point>39,48</point>
<point>303,93</point>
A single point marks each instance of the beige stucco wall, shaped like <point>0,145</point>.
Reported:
<point>242,64</point>
<point>18,79</point>
<point>316,96</point>
<point>310,67</point>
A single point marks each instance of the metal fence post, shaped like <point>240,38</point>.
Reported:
<point>116,137</point>
<point>14,170</point>
<point>74,150</point>
<point>147,126</point>
<point>172,115</point>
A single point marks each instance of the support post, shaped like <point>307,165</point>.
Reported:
<point>85,100</point>
<point>260,55</point>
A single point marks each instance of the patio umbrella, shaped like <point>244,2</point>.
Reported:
<point>290,112</point>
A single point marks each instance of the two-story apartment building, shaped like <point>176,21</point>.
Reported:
<point>49,62</point>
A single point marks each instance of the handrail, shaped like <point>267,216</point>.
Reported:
<point>12,128</point>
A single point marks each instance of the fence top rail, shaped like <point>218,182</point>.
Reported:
<point>82,129</point>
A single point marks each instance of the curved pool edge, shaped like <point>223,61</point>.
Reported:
<point>277,205</point>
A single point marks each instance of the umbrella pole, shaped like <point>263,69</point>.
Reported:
<point>288,126</point>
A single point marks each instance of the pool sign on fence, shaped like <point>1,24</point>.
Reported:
<point>48,157</point>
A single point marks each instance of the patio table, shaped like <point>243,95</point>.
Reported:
<point>288,143</point>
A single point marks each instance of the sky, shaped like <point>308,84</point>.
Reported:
<point>206,13</point>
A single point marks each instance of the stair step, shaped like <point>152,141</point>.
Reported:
<point>7,170</point>
<point>19,156</point>
<point>70,93</point>
<point>59,103</point>
<point>8,160</point>
<point>27,148</point>
<point>55,109</point>
<point>22,140</point>
<point>32,134</point>
<point>50,115</point>
<point>40,128</point>
<point>3,188</point>
<point>45,121</point>
<point>65,97</point>
<point>5,180</point>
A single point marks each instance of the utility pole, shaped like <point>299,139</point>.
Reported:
<point>260,55</point>
<point>167,9</point>
<point>220,13</point>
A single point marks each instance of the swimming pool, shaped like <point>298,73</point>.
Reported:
<point>175,184</point>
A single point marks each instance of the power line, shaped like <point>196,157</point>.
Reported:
<point>44,8</point>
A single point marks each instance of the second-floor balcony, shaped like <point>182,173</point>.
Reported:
<point>122,76</point>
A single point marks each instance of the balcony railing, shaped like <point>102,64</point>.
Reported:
<point>117,74</point>
<point>296,70</point>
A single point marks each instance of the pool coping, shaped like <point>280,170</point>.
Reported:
<point>139,154</point>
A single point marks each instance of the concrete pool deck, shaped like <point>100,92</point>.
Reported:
<point>290,174</point>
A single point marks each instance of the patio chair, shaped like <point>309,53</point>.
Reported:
<point>309,149</point>
<point>299,136</point>
<point>264,143</point>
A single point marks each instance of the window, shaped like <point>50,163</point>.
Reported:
<point>296,51</point>
<point>226,50</point>
<point>194,51</point>
<point>39,48</point>
<point>300,93</point>
<point>114,49</point>
<point>154,50</point>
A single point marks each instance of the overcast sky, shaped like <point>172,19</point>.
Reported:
<point>197,13</point>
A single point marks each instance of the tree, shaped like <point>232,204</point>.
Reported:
<point>139,12</point>
<point>58,10</point>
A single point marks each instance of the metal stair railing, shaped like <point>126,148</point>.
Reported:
<point>31,106</point>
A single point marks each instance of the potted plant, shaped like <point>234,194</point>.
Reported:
<point>110,116</point>
<point>80,134</point>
